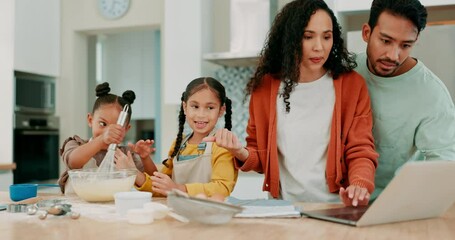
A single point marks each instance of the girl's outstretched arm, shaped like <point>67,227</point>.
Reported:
<point>144,148</point>
<point>123,161</point>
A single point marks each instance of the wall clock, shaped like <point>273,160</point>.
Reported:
<point>113,9</point>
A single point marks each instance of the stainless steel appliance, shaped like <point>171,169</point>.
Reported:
<point>34,93</point>
<point>36,144</point>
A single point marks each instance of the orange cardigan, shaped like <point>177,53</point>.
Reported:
<point>351,159</point>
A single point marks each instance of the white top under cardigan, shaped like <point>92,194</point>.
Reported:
<point>303,136</point>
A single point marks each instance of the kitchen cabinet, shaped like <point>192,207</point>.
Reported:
<point>249,22</point>
<point>362,5</point>
<point>233,59</point>
<point>351,15</point>
<point>37,36</point>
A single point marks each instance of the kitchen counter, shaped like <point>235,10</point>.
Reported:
<point>10,166</point>
<point>22,226</point>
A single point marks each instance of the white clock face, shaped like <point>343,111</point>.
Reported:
<point>113,9</point>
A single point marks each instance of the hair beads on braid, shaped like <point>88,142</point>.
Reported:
<point>193,87</point>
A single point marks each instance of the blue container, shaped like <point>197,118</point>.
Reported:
<point>18,192</point>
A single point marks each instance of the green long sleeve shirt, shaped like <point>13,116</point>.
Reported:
<point>413,119</point>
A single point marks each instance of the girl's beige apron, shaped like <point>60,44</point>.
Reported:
<point>195,170</point>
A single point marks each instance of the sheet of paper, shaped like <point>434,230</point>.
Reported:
<point>265,208</point>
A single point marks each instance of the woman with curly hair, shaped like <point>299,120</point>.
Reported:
<point>310,125</point>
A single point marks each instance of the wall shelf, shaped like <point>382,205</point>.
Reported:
<point>10,166</point>
<point>233,59</point>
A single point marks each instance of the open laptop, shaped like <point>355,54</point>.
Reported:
<point>419,190</point>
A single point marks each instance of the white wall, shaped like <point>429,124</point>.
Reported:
<point>183,44</point>
<point>79,20</point>
<point>439,59</point>
<point>6,89</point>
<point>129,64</point>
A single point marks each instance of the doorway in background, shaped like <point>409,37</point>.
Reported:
<point>130,61</point>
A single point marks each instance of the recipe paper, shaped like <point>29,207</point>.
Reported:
<point>265,208</point>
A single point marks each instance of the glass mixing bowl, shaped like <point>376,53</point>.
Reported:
<point>93,186</point>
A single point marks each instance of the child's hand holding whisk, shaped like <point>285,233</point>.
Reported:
<point>113,134</point>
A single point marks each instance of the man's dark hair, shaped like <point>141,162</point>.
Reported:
<point>409,9</point>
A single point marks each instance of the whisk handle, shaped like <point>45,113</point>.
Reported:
<point>121,121</point>
<point>112,146</point>
<point>123,114</point>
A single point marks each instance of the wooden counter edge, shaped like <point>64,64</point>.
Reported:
<point>10,166</point>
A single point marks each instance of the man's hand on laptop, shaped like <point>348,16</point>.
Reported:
<point>354,196</point>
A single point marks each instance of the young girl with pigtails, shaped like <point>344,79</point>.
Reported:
<point>78,153</point>
<point>194,166</point>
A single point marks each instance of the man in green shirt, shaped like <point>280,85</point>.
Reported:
<point>414,116</point>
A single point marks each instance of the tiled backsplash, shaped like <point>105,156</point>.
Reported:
<point>234,80</point>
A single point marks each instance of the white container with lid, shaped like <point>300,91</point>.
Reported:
<point>125,201</point>
<point>139,216</point>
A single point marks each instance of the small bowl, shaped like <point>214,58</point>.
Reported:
<point>201,210</point>
<point>125,201</point>
<point>18,192</point>
<point>159,210</point>
<point>22,191</point>
<point>94,186</point>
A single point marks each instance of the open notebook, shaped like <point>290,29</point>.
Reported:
<point>419,190</point>
<point>265,208</point>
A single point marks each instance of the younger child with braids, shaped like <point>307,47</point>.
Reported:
<point>194,166</point>
<point>78,153</point>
